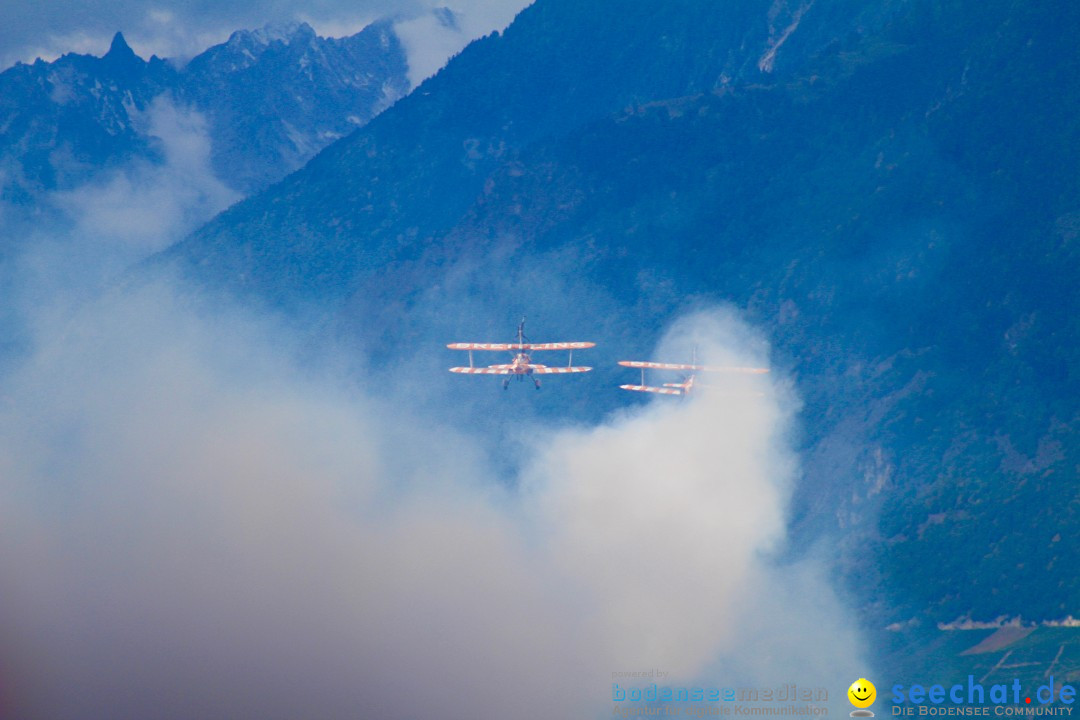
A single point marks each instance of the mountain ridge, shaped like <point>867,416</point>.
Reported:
<point>271,99</point>
<point>886,191</point>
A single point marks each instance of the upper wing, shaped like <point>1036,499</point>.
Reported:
<point>560,346</point>
<point>482,346</point>
<point>656,365</point>
<point>558,370</point>
<point>521,346</point>
<point>482,371</point>
<point>681,366</point>
<point>648,388</point>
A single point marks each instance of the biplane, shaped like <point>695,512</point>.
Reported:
<point>521,364</point>
<point>689,370</point>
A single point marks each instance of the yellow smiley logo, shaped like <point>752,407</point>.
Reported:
<point>862,693</point>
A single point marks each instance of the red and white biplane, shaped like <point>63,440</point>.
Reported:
<point>688,383</point>
<point>522,363</point>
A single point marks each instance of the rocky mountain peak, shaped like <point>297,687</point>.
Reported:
<point>121,60</point>
<point>120,51</point>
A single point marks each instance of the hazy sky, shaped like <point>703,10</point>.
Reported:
<point>179,28</point>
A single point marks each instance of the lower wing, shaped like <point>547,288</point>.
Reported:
<point>482,371</point>
<point>649,388</point>
<point>561,346</point>
<point>558,370</point>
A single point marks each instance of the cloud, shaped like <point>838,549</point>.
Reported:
<point>148,206</point>
<point>82,240</point>
<point>664,512</point>
<point>432,38</point>
<point>181,516</point>
<point>194,523</point>
<point>673,517</point>
<point>201,527</point>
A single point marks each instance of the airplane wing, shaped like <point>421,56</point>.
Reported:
<point>656,365</point>
<point>482,371</point>
<point>560,346</point>
<point>648,388</point>
<point>522,346</point>
<point>558,370</point>
<point>681,366</point>
<point>482,346</point>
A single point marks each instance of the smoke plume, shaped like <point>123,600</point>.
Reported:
<point>193,526</point>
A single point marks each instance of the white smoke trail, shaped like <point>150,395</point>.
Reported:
<point>664,512</point>
<point>190,528</point>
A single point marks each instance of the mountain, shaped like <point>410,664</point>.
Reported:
<point>64,120</point>
<point>274,100</point>
<point>271,99</point>
<point>889,189</point>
